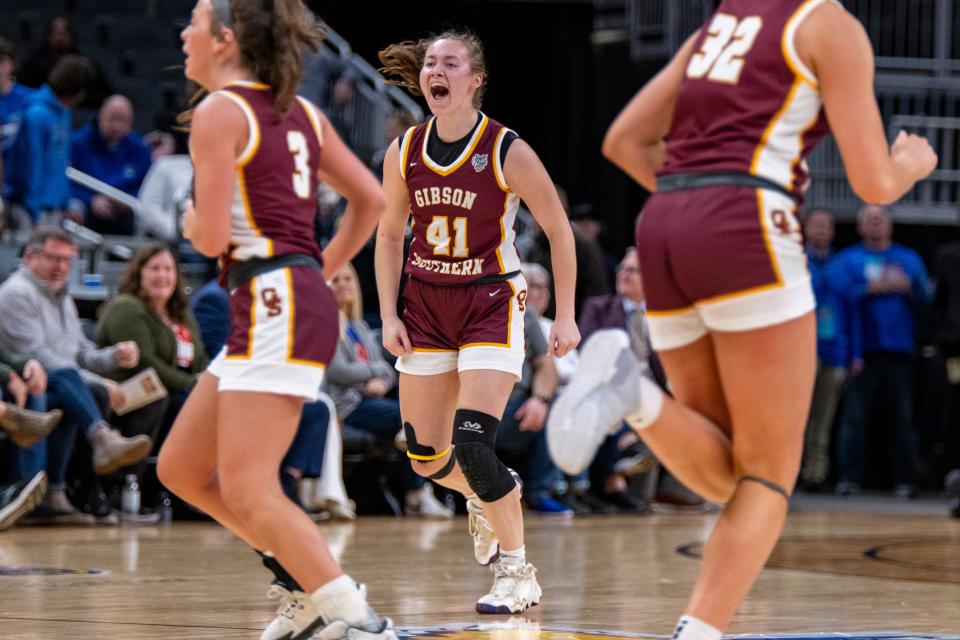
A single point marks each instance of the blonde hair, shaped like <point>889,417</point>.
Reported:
<point>353,311</point>
<point>402,61</point>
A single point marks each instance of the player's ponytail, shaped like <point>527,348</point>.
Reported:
<point>402,62</point>
<point>272,36</point>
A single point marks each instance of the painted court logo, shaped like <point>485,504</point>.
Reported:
<point>479,161</point>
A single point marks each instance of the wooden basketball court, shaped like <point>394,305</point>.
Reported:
<point>840,567</point>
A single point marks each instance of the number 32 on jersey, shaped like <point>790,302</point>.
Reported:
<point>721,57</point>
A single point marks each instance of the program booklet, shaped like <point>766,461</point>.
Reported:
<point>141,390</point>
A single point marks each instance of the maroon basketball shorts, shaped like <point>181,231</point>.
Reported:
<point>459,328</point>
<point>720,259</point>
<point>284,331</point>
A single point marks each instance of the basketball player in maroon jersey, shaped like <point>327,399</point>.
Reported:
<point>257,150</point>
<point>720,137</point>
<point>460,342</point>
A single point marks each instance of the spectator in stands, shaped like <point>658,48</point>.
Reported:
<point>591,272</point>
<point>59,41</point>
<point>111,152</point>
<point>164,194</point>
<point>585,220</point>
<point>41,320</point>
<point>891,288</point>
<point>152,311</point>
<point>23,413</point>
<point>35,177</point>
<point>211,307</point>
<point>621,310</point>
<point>359,379</point>
<point>13,99</point>
<point>521,438</point>
<point>834,351</point>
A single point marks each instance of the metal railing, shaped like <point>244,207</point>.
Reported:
<point>932,201</point>
<point>363,118</point>
<point>658,28</point>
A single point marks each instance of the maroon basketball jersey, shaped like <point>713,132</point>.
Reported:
<point>748,103</point>
<point>463,213</point>
<point>274,201</point>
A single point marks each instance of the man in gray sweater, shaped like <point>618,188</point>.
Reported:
<point>39,319</point>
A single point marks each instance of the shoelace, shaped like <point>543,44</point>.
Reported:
<point>288,600</point>
<point>506,578</point>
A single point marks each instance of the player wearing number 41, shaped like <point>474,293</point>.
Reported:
<point>460,343</point>
<point>257,151</point>
<point>720,136</point>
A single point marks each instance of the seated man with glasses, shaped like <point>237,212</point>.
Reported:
<point>40,321</point>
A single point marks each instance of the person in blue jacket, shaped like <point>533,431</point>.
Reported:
<point>891,287</point>
<point>13,98</point>
<point>835,333</point>
<point>36,174</point>
<point>109,150</point>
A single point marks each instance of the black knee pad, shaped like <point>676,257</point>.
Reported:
<point>423,454</point>
<point>474,440</point>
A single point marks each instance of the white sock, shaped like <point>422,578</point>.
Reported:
<point>689,628</point>
<point>516,556</point>
<point>651,403</point>
<point>339,599</point>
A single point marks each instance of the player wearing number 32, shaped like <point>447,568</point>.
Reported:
<point>460,343</point>
<point>720,136</point>
<point>258,150</point>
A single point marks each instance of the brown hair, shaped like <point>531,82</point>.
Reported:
<point>271,35</point>
<point>41,235</point>
<point>402,62</point>
<point>177,305</point>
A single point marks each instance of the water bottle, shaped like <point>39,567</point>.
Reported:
<point>130,496</point>
<point>165,506</point>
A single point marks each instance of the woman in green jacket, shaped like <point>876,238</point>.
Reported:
<point>152,310</point>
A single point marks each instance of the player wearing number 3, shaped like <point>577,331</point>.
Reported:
<point>460,344</point>
<point>720,136</point>
<point>258,150</point>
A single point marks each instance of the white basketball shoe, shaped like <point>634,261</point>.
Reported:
<point>603,393</point>
<point>514,590</point>
<point>296,612</point>
<point>486,545</point>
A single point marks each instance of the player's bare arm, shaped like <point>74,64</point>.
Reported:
<point>218,135</point>
<point>526,175</point>
<point>635,140</point>
<point>835,46</point>
<point>389,251</point>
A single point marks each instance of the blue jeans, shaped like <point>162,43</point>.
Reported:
<point>881,396</point>
<point>381,418</point>
<point>542,475</point>
<point>306,451</point>
<point>69,392</point>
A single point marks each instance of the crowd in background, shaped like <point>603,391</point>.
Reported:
<point>885,412</point>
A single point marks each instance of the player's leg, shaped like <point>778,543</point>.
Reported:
<point>767,376</point>
<point>254,433</point>
<point>187,463</point>
<point>427,406</point>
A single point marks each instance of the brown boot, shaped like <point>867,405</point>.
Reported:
<point>112,451</point>
<point>25,427</point>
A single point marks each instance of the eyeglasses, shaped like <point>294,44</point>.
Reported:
<point>53,257</point>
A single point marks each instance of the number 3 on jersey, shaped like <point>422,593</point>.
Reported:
<point>297,144</point>
<point>721,57</point>
<point>438,235</point>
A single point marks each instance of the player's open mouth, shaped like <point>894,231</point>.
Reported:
<point>439,91</point>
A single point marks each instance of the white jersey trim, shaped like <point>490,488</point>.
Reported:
<point>253,137</point>
<point>405,151</point>
<point>314,118</point>
<point>497,166</point>
<point>789,47</point>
